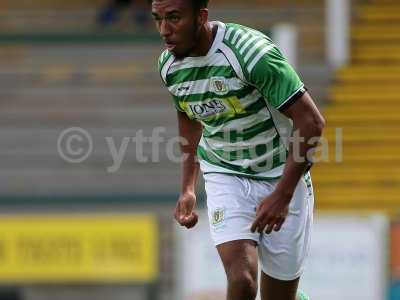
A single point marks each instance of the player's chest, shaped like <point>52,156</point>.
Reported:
<point>209,93</point>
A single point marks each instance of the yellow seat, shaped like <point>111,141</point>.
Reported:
<point>365,103</point>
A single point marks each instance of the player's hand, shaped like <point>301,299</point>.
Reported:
<point>184,214</point>
<point>271,214</point>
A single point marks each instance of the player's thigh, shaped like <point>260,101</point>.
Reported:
<point>239,258</point>
<point>231,210</point>
<point>275,289</point>
<point>283,253</point>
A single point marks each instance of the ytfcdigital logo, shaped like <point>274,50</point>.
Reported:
<point>75,145</point>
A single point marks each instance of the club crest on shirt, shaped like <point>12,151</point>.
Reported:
<point>219,85</point>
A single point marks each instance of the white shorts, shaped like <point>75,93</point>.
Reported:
<point>232,203</point>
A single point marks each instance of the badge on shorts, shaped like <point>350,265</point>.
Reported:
<point>218,216</point>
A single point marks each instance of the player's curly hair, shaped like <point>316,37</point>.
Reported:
<point>198,4</point>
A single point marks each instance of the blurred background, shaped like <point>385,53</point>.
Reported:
<point>89,174</point>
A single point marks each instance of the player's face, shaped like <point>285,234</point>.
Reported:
<point>177,25</point>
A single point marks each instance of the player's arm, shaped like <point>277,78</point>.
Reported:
<point>282,88</point>
<point>190,132</point>
<point>308,124</point>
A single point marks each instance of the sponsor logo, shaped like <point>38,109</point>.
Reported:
<point>183,88</point>
<point>203,110</point>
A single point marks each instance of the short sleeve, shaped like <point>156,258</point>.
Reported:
<point>274,77</point>
<point>164,62</point>
<point>178,105</point>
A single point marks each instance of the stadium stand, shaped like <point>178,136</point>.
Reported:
<point>79,16</point>
<point>110,89</point>
<point>365,103</point>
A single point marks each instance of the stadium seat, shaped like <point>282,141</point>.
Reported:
<point>365,104</point>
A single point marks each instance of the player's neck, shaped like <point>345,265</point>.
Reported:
<point>206,38</point>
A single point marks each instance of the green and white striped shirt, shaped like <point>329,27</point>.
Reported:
<point>236,91</point>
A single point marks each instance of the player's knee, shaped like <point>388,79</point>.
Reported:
<point>244,283</point>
